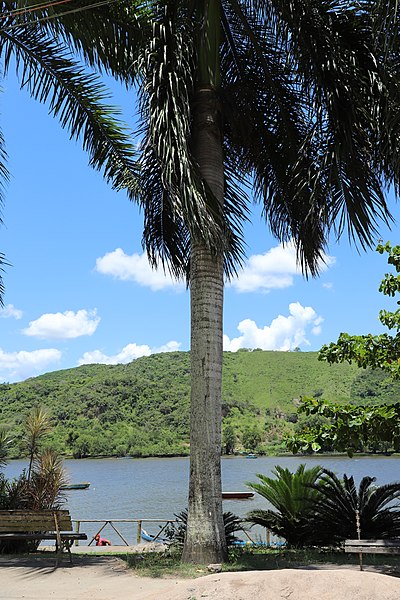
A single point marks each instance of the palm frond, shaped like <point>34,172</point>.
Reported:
<point>5,442</point>
<point>293,497</point>
<point>76,98</point>
<point>318,131</point>
<point>4,178</point>
<point>108,37</point>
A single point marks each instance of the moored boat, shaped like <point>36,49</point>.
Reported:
<point>76,486</point>
<point>147,537</point>
<point>237,495</point>
<point>251,455</point>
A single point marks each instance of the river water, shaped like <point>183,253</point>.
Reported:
<point>156,488</point>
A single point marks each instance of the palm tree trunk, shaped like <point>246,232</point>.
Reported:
<point>205,538</point>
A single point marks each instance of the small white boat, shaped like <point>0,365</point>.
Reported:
<point>76,486</point>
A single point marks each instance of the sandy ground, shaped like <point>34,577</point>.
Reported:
<point>106,577</point>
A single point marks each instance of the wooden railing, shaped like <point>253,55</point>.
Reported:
<point>111,523</point>
<point>139,526</point>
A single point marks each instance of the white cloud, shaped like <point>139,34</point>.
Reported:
<point>284,333</point>
<point>65,325</point>
<point>127,354</point>
<point>328,285</point>
<point>15,366</point>
<point>275,269</point>
<point>10,311</point>
<point>136,268</point>
<point>168,347</point>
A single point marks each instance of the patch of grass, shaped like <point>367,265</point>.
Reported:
<point>163,565</point>
<point>271,558</point>
<point>169,565</point>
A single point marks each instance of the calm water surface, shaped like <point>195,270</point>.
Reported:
<point>156,488</point>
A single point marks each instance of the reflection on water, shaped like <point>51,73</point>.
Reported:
<point>156,488</point>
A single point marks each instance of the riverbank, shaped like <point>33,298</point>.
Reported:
<point>154,489</point>
<point>36,577</point>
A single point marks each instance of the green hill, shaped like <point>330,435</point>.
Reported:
<point>142,408</point>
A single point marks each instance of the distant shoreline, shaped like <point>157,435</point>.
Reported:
<point>278,455</point>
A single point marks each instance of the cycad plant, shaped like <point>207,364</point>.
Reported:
<point>232,525</point>
<point>340,502</point>
<point>293,497</point>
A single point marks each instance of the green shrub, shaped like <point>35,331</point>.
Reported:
<point>293,502</point>
<point>334,516</point>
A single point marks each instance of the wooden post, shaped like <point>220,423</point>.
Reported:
<point>139,532</point>
<point>268,537</point>
<point>77,528</point>
<point>358,525</point>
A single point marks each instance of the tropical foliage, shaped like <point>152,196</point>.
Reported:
<point>300,99</point>
<point>38,488</point>
<point>344,512</point>
<point>375,351</point>
<point>315,507</point>
<point>293,497</point>
<point>346,427</point>
<point>232,525</point>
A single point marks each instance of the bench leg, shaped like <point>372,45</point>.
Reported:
<point>67,545</point>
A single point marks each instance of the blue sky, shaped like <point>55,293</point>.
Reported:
<point>80,289</point>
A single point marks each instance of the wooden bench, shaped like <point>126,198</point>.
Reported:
<point>40,525</point>
<point>389,546</point>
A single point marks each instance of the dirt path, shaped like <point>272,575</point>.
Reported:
<point>107,577</point>
<point>89,578</point>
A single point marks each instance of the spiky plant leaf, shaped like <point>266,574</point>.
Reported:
<point>335,515</point>
<point>292,497</point>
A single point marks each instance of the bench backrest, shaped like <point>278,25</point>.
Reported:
<point>34,520</point>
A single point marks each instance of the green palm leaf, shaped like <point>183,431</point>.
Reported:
<point>335,516</point>
<point>293,496</point>
<point>76,99</point>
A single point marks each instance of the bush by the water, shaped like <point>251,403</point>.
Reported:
<point>38,487</point>
<point>314,507</point>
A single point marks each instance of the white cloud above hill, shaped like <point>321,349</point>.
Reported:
<point>275,269</point>
<point>16,366</point>
<point>284,332</point>
<point>128,353</point>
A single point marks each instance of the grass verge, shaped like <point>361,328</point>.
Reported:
<point>169,564</point>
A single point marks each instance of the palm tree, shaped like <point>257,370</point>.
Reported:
<point>297,100</point>
<point>293,497</point>
<point>47,70</point>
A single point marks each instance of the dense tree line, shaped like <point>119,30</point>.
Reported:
<point>142,408</point>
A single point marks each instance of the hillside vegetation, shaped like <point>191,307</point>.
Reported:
<point>142,408</point>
